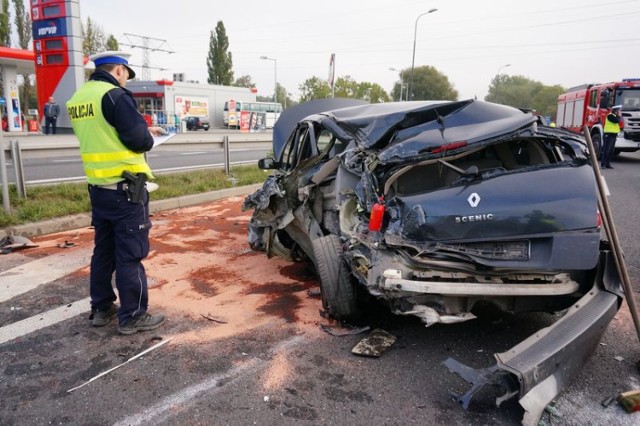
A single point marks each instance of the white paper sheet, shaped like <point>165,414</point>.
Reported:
<point>158,140</point>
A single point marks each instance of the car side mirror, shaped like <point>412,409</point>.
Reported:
<point>267,164</point>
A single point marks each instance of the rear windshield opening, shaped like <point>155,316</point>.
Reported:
<point>493,160</point>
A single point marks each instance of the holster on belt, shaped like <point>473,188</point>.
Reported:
<point>135,186</point>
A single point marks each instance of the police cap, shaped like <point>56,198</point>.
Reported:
<point>113,57</point>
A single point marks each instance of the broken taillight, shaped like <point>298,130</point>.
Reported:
<point>599,220</point>
<point>377,214</point>
<point>450,146</point>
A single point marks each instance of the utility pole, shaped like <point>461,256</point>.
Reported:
<point>148,45</point>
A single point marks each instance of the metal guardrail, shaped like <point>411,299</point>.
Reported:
<point>61,146</point>
<point>40,146</point>
<point>16,158</point>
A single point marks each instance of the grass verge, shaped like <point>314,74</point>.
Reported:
<point>51,201</point>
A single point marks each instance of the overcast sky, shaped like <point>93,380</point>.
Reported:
<point>567,42</point>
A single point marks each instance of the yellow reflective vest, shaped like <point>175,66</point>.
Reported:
<point>104,156</point>
<point>611,127</point>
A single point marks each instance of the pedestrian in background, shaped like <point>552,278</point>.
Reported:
<point>113,137</point>
<point>611,130</point>
<point>51,113</point>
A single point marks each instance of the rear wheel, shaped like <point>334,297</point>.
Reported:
<point>337,288</point>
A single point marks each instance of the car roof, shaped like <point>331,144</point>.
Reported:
<point>406,129</point>
<point>429,123</point>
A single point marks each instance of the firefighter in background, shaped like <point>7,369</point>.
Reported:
<point>611,130</point>
<point>113,137</point>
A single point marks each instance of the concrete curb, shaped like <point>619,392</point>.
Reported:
<point>84,220</point>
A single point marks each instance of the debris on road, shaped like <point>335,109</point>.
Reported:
<point>375,344</point>
<point>214,319</point>
<point>607,401</point>
<point>66,244</point>
<point>346,330</point>
<point>11,243</point>
<point>630,400</point>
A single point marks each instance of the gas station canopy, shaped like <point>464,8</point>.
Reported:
<point>23,60</point>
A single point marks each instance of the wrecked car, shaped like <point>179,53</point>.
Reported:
<point>436,206</point>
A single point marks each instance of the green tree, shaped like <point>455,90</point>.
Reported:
<point>219,60</point>
<point>112,43</point>
<point>244,81</point>
<point>401,87</point>
<point>93,38</point>
<point>345,87</point>
<point>283,96</point>
<point>521,92</point>
<point>545,101</point>
<point>314,88</point>
<point>371,92</point>
<point>429,84</point>
<point>5,25</point>
<point>23,29</point>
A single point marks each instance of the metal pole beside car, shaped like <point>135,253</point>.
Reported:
<point>3,172</point>
<point>612,234</point>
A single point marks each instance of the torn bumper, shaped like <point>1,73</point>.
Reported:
<point>560,285</point>
<point>537,369</point>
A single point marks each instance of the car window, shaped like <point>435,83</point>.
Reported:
<point>292,151</point>
<point>324,140</point>
<point>305,146</point>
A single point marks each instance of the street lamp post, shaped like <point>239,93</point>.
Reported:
<point>498,81</point>
<point>413,58</point>
<point>275,76</point>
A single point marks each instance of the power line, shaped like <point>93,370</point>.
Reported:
<point>148,45</point>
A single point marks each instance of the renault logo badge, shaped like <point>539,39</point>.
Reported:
<point>473,200</point>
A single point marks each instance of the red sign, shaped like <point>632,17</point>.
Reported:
<point>245,116</point>
<point>232,105</point>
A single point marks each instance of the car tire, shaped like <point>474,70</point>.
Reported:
<point>336,286</point>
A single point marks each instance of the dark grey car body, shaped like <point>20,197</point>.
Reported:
<point>480,204</point>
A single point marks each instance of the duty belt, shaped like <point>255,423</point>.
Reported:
<point>122,185</point>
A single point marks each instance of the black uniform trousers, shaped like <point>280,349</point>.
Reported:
<point>608,149</point>
<point>121,242</point>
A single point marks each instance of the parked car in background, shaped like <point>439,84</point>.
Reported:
<point>196,123</point>
<point>435,207</point>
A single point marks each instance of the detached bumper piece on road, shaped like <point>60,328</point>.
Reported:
<point>537,369</point>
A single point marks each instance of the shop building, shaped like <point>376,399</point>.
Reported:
<point>167,102</point>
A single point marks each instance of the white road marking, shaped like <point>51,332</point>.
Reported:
<point>77,160</point>
<point>178,402</point>
<point>31,275</point>
<point>45,319</point>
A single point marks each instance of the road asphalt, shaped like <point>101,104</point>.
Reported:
<point>67,223</point>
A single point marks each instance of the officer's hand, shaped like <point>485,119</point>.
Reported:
<point>157,131</point>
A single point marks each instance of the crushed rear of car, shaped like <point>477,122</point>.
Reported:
<point>434,207</point>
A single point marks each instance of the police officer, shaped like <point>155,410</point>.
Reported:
<point>611,130</point>
<point>113,137</point>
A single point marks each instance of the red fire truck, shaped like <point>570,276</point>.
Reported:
<point>589,105</point>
